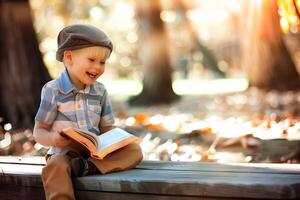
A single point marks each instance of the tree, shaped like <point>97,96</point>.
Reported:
<point>154,56</point>
<point>22,71</point>
<point>209,60</point>
<point>266,59</point>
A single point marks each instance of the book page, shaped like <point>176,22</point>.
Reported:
<point>89,135</point>
<point>85,138</point>
<point>112,137</point>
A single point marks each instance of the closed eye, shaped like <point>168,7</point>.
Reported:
<point>91,59</point>
<point>103,63</point>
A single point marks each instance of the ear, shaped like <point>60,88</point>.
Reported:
<point>68,58</point>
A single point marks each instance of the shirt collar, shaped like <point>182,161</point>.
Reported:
<point>66,86</point>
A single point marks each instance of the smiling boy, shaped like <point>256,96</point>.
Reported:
<point>76,99</point>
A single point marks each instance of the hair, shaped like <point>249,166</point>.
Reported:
<point>98,51</point>
<point>94,51</point>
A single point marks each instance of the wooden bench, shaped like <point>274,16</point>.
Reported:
<point>20,179</point>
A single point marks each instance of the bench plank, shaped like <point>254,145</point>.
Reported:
<point>132,196</point>
<point>10,192</point>
<point>223,167</point>
<point>32,160</point>
<point>167,180</point>
<point>213,184</point>
<point>166,165</point>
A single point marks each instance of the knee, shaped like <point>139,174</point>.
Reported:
<point>136,151</point>
<point>57,164</point>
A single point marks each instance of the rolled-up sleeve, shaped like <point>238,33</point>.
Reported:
<point>48,110</point>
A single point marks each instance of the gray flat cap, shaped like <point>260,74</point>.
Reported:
<point>80,36</point>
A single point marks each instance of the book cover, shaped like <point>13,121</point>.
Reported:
<point>101,145</point>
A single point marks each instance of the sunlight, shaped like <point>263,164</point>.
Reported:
<point>7,127</point>
<point>16,169</point>
<point>199,87</point>
<point>123,87</point>
<point>6,141</point>
<point>168,16</point>
<point>289,19</point>
<point>96,13</point>
<point>124,10</point>
<point>267,166</point>
<point>181,87</point>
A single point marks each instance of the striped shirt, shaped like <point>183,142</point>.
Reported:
<point>63,106</point>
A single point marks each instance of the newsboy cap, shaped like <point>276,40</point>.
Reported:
<point>80,36</point>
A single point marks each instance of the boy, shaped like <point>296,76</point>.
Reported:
<point>75,99</point>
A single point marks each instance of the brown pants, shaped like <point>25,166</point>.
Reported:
<point>56,175</point>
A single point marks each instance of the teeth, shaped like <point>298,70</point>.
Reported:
<point>92,75</point>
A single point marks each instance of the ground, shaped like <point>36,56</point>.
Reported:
<point>241,126</point>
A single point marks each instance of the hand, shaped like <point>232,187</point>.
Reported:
<point>59,140</point>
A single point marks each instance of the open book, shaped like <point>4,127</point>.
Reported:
<point>100,146</point>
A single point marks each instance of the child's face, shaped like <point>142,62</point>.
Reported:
<point>86,65</point>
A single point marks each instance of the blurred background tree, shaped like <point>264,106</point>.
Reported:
<point>154,56</point>
<point>266,59</point>
<point>192,43</point>
<point>22,71</point>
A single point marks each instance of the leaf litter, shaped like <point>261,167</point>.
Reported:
<point>250,126</point>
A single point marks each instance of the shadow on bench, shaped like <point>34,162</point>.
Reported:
<point>20,179</point>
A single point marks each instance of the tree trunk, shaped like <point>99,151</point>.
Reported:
<point>154,56</point>
<point>22,71</point>
<point>266,59</point>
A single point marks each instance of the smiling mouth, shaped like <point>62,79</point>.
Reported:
<point>92,75</point>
